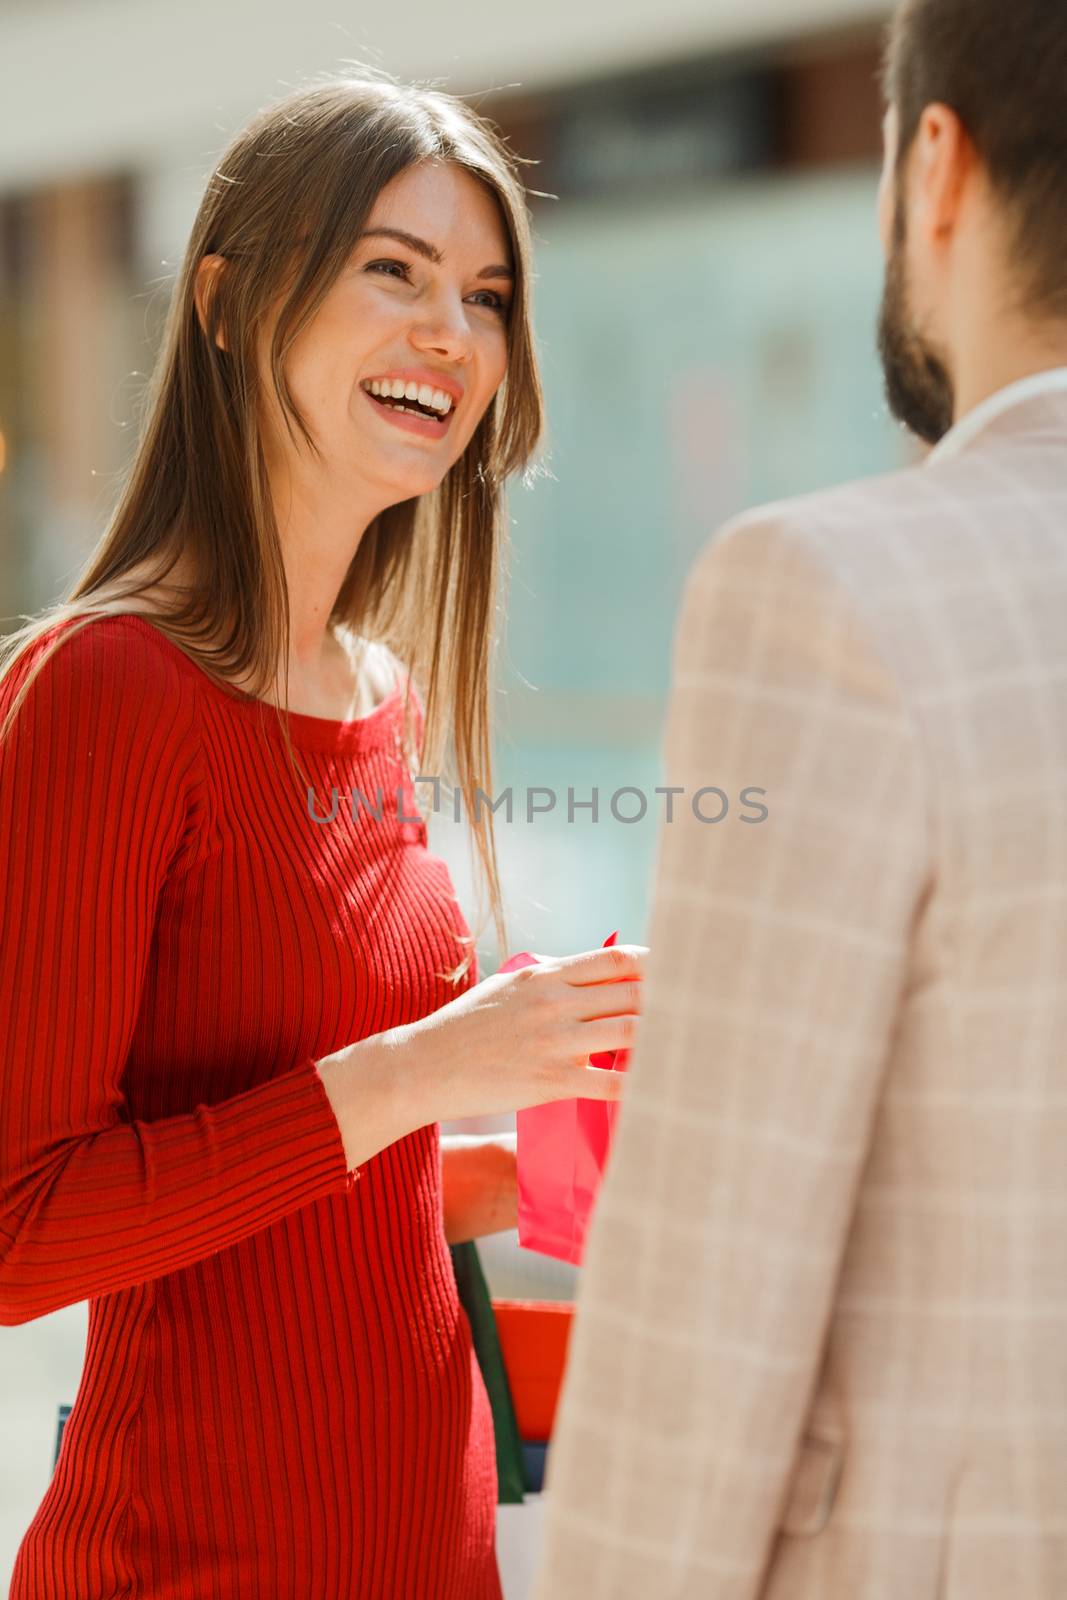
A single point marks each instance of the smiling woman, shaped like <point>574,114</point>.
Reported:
<point>275,499</point>
<point>202,1132</point>
<point>444,298</point>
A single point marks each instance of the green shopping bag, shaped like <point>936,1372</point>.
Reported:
<point>512,1482</point>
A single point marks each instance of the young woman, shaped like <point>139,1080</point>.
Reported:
<point>230,1028</point>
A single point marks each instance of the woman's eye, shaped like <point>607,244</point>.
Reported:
<point>401,269</point>
<point>378,266</point>
<point>496,301</point>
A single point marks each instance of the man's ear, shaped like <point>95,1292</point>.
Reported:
<point>944,160</point>
<point>207,276</point>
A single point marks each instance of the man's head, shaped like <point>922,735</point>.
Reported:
<point>973,200</point>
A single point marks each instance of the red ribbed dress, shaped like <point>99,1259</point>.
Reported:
<point>280,1398</point>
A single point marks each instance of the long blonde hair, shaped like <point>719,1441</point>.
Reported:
<point>424,579</point>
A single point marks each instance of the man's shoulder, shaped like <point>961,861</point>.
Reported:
<point>852,509</point>
<point>880,534</point>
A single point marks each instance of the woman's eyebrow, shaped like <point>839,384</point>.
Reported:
<point>429,251</point>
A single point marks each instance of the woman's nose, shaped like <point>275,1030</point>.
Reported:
<point>445,329</point>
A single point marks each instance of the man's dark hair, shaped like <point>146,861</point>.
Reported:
<point>1001,65</point>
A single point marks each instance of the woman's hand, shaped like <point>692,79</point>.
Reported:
<point>516,1039</point>
<point>479,1185</point>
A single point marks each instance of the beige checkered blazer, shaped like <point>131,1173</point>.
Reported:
<point>821,1346</point>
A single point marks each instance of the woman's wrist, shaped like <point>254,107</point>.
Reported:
<point>371,1094</point>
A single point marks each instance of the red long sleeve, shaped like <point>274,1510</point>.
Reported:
<point>102,795</point>
<point>280,1397</point>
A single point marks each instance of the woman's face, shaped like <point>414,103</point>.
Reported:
<point>421,305</point>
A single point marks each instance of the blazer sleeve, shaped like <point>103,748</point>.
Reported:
<point>778,950</point>
<point>102,794</point>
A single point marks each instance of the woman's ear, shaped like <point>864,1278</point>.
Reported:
<point>207,274</point>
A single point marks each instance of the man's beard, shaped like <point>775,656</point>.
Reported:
<point>918,386</point>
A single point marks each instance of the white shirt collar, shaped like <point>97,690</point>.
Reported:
<point>980,416</point>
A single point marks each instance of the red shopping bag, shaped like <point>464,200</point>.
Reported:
<point>562,1153</point>
<point>534,1336</point>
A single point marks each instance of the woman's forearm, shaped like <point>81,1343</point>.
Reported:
<point>479,1185</point>
<point>371,1101</point>
<point>370,1095</point>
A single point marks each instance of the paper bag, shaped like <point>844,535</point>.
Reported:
<point>562,1153</point>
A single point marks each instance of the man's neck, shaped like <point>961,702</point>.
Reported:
<point>1021,351</point>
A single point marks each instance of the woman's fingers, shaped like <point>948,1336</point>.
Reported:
<point>593,1083</point>
<point>624,998</point>
<point>525,1037</point>
<point>611,964</point>
<point>605,1033</point>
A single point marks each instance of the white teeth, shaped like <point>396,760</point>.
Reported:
<point>400,389</point>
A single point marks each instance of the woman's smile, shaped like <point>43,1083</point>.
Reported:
<point>419,402</point>
<point>408,418</point>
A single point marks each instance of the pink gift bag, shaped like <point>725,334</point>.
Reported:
<point>562,1152</point>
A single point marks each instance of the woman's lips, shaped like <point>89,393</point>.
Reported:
<point>427,427</point>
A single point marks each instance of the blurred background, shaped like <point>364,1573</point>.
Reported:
<point>708,279</point>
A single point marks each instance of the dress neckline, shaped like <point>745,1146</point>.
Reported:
<point>370,731</point>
